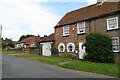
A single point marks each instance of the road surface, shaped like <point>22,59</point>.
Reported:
<point>14,67</point>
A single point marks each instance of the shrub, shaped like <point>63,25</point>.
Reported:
<point>70,56</point>
<point>99,48</point>
<point>35,47</point>
<point>4,45</point>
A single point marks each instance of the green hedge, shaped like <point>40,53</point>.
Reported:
<point>99,48</point>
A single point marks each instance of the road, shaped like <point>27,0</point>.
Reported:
<point>14,67</point>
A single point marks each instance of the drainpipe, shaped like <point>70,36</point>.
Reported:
<point>38,48</point>
<point>89,27</point>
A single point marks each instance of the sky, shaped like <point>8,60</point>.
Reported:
<point>21,17</point>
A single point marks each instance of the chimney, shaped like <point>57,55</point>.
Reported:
<point>108,0</point>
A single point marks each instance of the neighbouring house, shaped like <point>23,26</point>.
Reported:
<point>28,42</point>
<point>71,30</point>
<point>46,45</point>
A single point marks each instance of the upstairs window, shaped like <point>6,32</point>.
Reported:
<point>112,23</point>
<point>115,44</point>
<point>66,30</point>
<point>80,27</point>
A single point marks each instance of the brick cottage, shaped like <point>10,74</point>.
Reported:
<point>71,30</point>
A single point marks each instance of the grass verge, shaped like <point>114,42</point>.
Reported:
<point>109,69</point>
<point>10,52</point>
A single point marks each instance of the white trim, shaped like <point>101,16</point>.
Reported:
<point>64,30</point>
<point>61,44</point>
<point>72,46</point>
<point>108,27</point>
<point>78,32</point>
<point>118,44</point>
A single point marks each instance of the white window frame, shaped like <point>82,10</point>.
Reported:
<point>61,44</point>
<point>66,32</point>
<point>116,44</point>
<point>72,46</point>
<point>32,45</point>
<point>108,23</point>
<point>78,26</point>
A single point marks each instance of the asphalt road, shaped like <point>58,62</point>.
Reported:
<point>14,67</point>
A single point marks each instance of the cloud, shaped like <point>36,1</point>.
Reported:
<point>20,17</point>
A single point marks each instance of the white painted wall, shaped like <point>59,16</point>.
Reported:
<point>46,49</point>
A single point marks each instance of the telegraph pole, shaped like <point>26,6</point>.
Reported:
<point>0,31</point>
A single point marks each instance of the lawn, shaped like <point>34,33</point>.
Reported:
<point>100,68</point>
<point>10,52</point>
<point>109,69</point>
<point>52,60</point>
<point>27,55</point>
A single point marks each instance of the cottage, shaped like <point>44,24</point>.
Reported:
<point>71,30</point>
<point>46,44</point>
<point>28,42</point>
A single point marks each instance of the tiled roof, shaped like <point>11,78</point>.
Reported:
<point>26,41</point>
<point>89,12</point>
<point>48,38</point>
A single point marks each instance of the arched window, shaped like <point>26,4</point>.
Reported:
<point>70,47</point>
<point>61,47</point>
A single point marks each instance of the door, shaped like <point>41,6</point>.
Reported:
<point>81,50</point>
<point>46,49</point>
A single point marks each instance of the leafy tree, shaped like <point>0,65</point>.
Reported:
<point>25,36</point>
<point>99,48</point>
<point>8,40</point>
<point>4,45</point>
<point>11,45</point>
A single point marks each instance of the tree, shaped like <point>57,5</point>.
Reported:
<point>25,36</point>
<point>8,40</point>
<point>99,48</point>
<point>4,45</point>
<point>11,45</point>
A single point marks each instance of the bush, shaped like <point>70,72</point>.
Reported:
<point>35,47</point>
<point>99,48</point>
<point>69,56</point>
<point>4,45</point>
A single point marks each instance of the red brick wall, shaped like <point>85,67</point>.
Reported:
<point>73,37</point>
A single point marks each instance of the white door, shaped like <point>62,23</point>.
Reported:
<point>81,50</point>
<point>46,49</point>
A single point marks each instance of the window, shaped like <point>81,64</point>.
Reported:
<point>66,30</point>
<point>32,45</point>
<point>115,44</point>
<point>61,47</point>
<point>112,23</point>
<point>81,27</point>
<point>70,47</point>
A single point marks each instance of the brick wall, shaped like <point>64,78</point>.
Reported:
<point>73,36</point>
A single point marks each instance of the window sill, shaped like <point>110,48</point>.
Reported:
<point>116,52</point>
<point>66,36</point>
<point>113,29</point>
<point>81,34</point>
<point>70,52</point>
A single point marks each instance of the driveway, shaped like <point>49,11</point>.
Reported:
<point>14,67</point>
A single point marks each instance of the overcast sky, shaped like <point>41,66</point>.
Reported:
<point>21,17</point>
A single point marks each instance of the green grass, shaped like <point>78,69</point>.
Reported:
<point>52,60</point>
<point>10,52</point>
<point>27,55</point>
<point>101,68</point>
